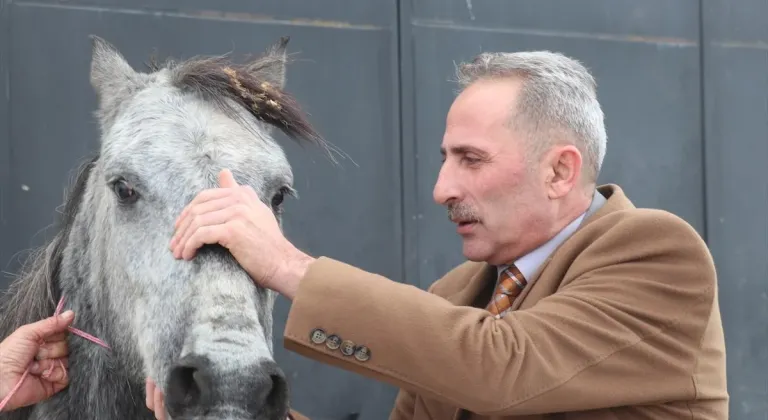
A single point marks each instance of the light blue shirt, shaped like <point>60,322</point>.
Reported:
<point>529,263</point>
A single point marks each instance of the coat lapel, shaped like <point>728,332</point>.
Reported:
<point>480,284</point>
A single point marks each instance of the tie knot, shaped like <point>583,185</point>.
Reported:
<point>511,284</point>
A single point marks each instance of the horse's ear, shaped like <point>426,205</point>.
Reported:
<point>111,75</point>
<point>271,66</point>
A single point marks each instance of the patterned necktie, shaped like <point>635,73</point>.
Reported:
<point>511,284</point>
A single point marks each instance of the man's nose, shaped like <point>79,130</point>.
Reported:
<point>446,188</point>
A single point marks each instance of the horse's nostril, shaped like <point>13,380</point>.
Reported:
<point>188,386</point>
<point>269,394</point>
<point>182,383</point>
<point>278,395</point>
<point>196,388</point>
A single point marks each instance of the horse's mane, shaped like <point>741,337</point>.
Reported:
<point>33,295</point>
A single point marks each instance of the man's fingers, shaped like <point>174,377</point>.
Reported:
<point>154,399</point>
<point>59,386</point>
<point>201,210</point>
<point>202,236</point>
<point>52,370</point>
<point>52,350</point>
<point>56,374</point>
<point>47,365</point>
<point>57,337</point>
<point>202,197</point>
<point>150,394</point>
<point>210,234</point>
<point>217,217</point>
<point>159,405</point>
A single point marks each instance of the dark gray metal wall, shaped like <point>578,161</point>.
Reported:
<point>684,88</point>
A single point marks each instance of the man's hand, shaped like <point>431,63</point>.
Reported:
<point>234,217</point>
<point>43,345</point>
<point>155,399</point>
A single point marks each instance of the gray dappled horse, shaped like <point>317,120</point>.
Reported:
<point>201,329</point>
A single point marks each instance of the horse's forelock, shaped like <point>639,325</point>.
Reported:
<point>223,83</point>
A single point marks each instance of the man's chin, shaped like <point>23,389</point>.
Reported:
<point>475,250</point>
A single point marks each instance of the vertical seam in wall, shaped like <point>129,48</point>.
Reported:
<point>703,117</point>
<point>401,142</point>
<point>408,187</point>
<point>6,184</point>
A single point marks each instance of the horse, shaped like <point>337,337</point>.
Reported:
<point>201,329</point>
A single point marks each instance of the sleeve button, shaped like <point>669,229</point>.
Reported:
<point>333,342</point>
<point>317,336</point>
<point>363,353</point>
<point>347,348</point>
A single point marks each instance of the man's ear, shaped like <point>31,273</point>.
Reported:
<point>563,170</point>
<point>112,78</point>
<point>270,67</point>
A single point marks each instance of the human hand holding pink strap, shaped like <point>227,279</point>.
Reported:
<point>29,359</point>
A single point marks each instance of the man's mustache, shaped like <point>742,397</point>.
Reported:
<point>461,212</point>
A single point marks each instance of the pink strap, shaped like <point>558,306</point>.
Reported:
<point>26,372</point>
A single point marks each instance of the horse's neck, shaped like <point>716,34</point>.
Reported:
<point>103,383</point>
<point>97,390</point>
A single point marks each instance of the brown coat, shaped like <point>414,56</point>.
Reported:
<point>621,322</point>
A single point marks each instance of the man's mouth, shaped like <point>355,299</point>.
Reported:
<point>465,227</point>
<point>464,222</point>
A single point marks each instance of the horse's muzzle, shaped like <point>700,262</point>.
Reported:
<point>196,389</point>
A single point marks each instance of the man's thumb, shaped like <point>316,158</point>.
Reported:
<point>52,325</point>
<point>226,179</point>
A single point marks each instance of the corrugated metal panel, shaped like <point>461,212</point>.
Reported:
<point>686,124</point>
<point>736,110</point>
<point>6,242</point>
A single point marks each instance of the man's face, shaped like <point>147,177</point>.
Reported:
<point>498,201</point>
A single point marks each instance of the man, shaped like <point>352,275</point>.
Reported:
<point>573,303</point>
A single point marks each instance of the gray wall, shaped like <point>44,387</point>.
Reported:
<point>684,89</point>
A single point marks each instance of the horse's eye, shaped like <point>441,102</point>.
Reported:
<point>278,198</point>
<point>124,192</point>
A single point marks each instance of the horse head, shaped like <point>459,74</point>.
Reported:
<point>201,329</point>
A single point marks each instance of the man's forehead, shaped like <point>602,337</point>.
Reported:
<point>467,136</point>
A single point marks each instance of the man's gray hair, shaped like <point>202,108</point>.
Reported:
<point>558,97</point>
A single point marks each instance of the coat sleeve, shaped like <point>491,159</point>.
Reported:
<point>624,328</point>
